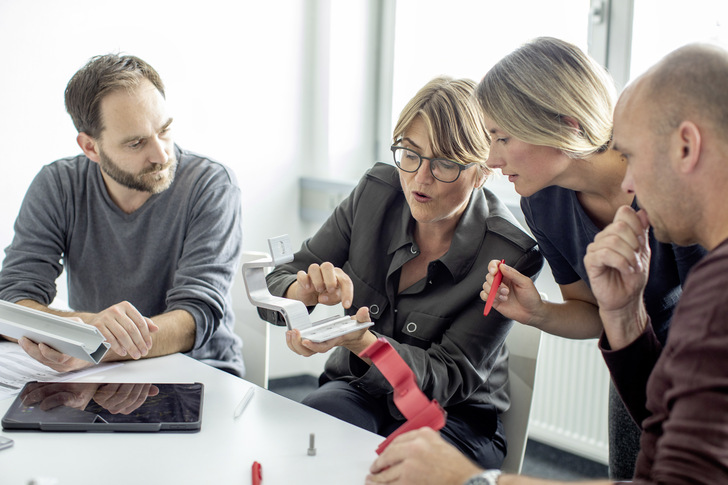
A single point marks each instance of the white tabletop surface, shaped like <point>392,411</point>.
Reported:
<point>272,430</point>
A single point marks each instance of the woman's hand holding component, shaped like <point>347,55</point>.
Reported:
<point>323,283</point>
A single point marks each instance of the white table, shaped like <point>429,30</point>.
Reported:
<point>272,430</point>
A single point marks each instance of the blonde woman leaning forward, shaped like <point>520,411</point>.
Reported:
<point>412,243</point>
<point>548,108</point>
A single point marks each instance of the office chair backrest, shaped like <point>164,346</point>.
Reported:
<point>523,343</point>
<point>254,331</point>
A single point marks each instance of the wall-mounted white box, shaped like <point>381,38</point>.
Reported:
<point>319,197</point>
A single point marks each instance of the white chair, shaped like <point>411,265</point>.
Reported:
<point>523,343</point>
<point>254,331</point>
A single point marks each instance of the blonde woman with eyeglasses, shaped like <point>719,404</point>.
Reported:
<point>411,244</point>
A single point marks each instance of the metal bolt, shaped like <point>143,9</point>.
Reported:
<point>311,447</point>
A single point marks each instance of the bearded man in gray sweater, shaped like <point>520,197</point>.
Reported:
<point>149,234</point>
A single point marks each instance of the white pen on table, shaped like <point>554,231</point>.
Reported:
<point>243,403</point>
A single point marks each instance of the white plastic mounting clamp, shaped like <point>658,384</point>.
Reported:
<point>294,312</point>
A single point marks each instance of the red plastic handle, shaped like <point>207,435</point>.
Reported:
<point>433,416</point>
<point>408,397</point>
<point>257,472</point>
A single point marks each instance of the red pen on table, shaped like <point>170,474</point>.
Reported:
<point>257,473</point>
<point>493,289</point>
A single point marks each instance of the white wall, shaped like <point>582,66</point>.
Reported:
<point>233,72</point>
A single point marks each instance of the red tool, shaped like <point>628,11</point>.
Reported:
<point>257,473</point>
<point>494,289</point>
<point>408,397</point>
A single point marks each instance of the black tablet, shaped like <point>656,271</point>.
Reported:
<point>93,406</point>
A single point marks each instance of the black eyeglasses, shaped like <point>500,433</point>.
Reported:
<point>442,169</point>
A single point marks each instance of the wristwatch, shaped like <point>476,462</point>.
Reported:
<point>488,477</point>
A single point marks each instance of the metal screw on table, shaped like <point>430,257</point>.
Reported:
<point>311,447</point>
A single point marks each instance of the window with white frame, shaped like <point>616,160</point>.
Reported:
<point>661,26</point>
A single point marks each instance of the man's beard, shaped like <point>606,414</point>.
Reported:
<point>149,180</point>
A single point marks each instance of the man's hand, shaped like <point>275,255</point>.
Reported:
<point>52,358</point>
<point>421,457</point>
<point>618,263</point>
<point>323,283</point>
<point>127,330</point>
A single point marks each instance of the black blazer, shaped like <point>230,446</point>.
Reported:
<point>437,324</point>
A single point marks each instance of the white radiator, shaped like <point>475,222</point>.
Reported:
<point>570,399</point>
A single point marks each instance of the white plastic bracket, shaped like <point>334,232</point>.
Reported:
<point>70,337</point>
<point>294,312</point>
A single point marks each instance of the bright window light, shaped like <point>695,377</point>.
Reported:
<point>661,26</point>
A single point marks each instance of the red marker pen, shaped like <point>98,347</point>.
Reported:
<point>494,289</point>
<point>257,473</point>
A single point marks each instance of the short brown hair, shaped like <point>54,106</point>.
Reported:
<point>100,76</point>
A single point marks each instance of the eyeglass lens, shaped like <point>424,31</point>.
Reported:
<point>443,170</point>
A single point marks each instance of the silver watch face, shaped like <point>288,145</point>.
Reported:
<point>479,480</point>
<point>488,477</point>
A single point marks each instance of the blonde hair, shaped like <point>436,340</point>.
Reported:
<point>531,91</point>
<point>453,118</point>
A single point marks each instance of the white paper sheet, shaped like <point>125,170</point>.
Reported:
<point>17,368</point>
